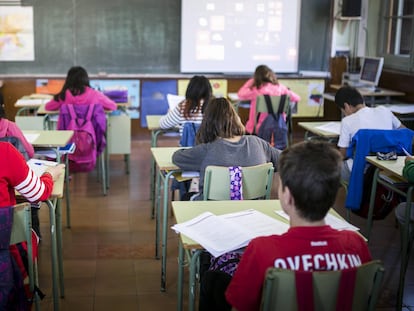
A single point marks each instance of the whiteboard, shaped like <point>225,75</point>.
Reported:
<point>235,36</point>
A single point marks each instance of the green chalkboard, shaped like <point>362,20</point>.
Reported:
<point>136,37</point>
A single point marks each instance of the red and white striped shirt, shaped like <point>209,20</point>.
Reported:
<point>15,174</point>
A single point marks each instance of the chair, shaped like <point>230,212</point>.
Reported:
<point>275,100</point>
<point>367,141</point>
<point>38,123</point>
<point>99,123</point>
<point>257,182</point>
<point>22,232</point>
<point>352,289</point>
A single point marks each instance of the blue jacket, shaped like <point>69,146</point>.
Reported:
<point>365,142</point>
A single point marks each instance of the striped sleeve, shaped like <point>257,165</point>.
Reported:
<point>35,189</point>
<point>172,118</point>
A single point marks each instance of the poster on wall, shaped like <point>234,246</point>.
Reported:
<point>16,33</point>
<point>311,96</point>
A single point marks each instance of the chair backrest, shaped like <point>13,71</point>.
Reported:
<point>188,135</point>
<point>367,141</point>
<point>257,182</point>
<point>30,122</point>
<point>323,290</point>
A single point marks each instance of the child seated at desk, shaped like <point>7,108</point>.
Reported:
<point>358,116</point>
<point>309,180</point>
<point>191,109</point>
<point>264,82</point>
<point>77,90</point>
<point>222,141</point>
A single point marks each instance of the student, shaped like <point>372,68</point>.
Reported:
<point>191,109</point>
<point>9,128</point>
<point>408,173</point>
<point>309,179</point>
<point>77,90</point>
<point>222,142</point>
<point>358,116</point>
<point>263,82</point>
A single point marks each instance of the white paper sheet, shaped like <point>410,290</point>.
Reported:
<point>330,220</point>
<point>174,100</point>
<point>40,166</point>
<point>333,127</point>
<point>31,137</point>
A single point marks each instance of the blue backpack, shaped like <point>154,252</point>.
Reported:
<point>188,136</point>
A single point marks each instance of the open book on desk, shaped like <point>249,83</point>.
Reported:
<point>228,232</point>
<point>40,166</point>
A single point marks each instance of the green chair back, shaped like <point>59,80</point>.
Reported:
<point>279,292</point>
<point>257,182</point>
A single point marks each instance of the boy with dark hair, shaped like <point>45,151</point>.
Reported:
<point>358,116</point>
<point>309,179</point>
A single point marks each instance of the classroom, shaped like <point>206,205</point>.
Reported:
<point>110,217</point>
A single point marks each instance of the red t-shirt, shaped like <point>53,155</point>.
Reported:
<point>301,248</point>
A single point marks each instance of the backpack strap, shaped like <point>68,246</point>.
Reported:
<point>90,112</point>
<point>72,112</point>
<point>280,109</point>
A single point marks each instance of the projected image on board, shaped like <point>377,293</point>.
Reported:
<point>235,36</point>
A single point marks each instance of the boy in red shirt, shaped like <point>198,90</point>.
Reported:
<point>309,180</point>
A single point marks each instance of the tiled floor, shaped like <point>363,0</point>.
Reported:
<point>109,261</point>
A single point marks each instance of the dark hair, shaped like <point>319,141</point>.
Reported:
<point>262,75</point>
<point>220,120</point>
<point>312,172</point>
<point>349,95</point>
<point>2,112</point>
<point>198,89</point>
<point>76,82</point>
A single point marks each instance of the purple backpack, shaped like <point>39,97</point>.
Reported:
<point>83,159</point>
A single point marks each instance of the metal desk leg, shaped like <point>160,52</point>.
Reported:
<point>371,203</point>
<point>405,248</point>
<point>180,279</point>
<point>67,193</point>
<point>165,230</point>
<point>157,201</point>
<point>58,214</point>
<point>192,279</point>
<point>55,285</point>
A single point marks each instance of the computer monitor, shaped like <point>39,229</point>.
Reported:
<point>371,71</point>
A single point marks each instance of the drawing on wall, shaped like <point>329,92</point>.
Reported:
<point>121,91</point>
<point>16,33</point>
<point>311,99</point>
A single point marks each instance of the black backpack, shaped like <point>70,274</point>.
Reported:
<point>274,127</point>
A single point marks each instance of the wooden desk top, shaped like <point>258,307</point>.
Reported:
<point>50,139</point>
<point>313,128</point>
<point>163,157</point>
<point>32,101</point>
<point>366,92</point>
<point>393,167</point>
<point>186,210</point>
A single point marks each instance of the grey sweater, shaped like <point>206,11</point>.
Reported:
<point>248,151</point>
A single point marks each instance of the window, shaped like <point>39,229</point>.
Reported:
<point>397,29</point>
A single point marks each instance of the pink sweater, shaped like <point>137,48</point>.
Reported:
<point>9,128</point>
<point>89,96</point>
<point>247,92</point>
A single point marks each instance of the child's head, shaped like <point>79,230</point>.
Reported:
<point>220,120</point>
<point>348,95</point>
<point>264,74</point>
<point>312,172</point>
<point>76,82</point>
<point>198,89</point>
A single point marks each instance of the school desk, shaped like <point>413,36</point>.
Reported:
<point>166,170</point>
<point>393,168</point>
<point>55,218</point>
<point>153,123</point>
<point>186,210</point>
<point>313,129</point>
<point>31,102</point>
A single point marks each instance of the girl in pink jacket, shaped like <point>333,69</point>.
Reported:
<point>263,82</point>
<point>77,90</point>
